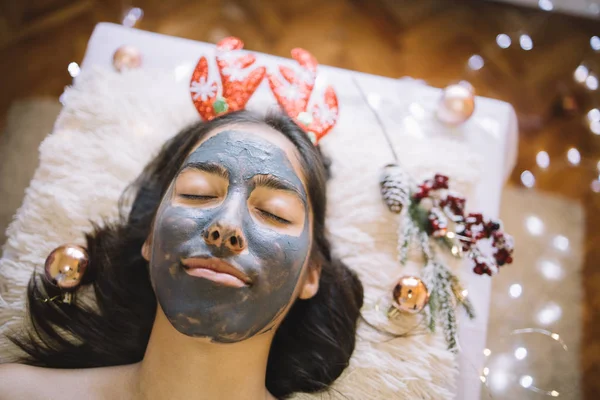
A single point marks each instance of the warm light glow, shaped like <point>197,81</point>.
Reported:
<point>551,270</point>
<point>515,290</point>
<point>581,73</point>
<point>520,353</point>
<point>546,5</point>
<point>526,42</point>
<point>526,381</point>
<point>482,378</point>
<point>573,156</point>
<point>503,41</point>
<point>595,185</point>
<point>527,179</point>
<point>534,225</point>
<point>591,82</point>
<point>73,69</point>
<point>542,159</point>
<point>549,314</point>
<point>465,292</point>
<point>555,336</point>
<point>455,251</point>
<point>486,371</point>
<point>561,242</point>
<point>595,43</point>
<point>450,235</point>
<point>476,62</point>
<point>554,393</point>
<point>487,352</point>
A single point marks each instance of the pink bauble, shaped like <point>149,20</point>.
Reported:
<point>127,57</point>
<point>456,104</point>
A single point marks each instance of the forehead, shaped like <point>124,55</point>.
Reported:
<point>257,134</point>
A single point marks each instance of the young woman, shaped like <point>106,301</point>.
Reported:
<point>219,284</point>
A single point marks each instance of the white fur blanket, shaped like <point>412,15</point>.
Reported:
<point>111,126</point>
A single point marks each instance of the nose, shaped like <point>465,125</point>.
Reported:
<point>226,237</point>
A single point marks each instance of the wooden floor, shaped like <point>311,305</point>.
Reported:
<point>426,39</point>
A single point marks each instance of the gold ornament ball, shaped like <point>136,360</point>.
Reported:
<point>410,295</point>
<point>127,57</point>
<point>66,265</point>
<point>457,103</point>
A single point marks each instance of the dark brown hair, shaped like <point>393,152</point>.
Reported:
<point>310,349</point>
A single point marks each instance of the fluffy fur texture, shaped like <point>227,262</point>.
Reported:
<point>111,126</point>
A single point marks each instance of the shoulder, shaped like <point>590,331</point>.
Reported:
<point>16,380</point>
<point>24,381</point>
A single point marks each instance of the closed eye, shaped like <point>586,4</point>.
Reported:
<point>197,197</point>
<point>273,217</point>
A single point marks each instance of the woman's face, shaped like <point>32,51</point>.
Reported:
<point>232,235</point>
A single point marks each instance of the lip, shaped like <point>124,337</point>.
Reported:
<point>216,270</point>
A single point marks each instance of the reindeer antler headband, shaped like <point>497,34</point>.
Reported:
<point>239,81</point>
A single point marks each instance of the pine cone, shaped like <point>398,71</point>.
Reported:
<point>395,187</point>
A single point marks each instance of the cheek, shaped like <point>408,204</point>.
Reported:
<point>176,225</point>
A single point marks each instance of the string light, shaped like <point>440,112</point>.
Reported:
<point>132,16</point>
<point>73,69</point>
<point>486,371</point>
<point>595,185</point>
<point>595,43</point>
<point>595,127</point>
<point>520,353</point>
<point>573,156</point>
<point>503,41</point>
<point>515,290</point>
<point>534,225</point>
<point>546,5</point>
<point>542,159</point>
<point>593,115</point>
<point>526,381</point>
<point>581,73</point>
<point>561,242</point>
<point>527,179</point>
<point>591,82</point>
<point>526,42</point>
<point>476,62</point>
<point>487,352</point>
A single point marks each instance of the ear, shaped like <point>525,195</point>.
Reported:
<point>146,248</point>
<point>310,286</point>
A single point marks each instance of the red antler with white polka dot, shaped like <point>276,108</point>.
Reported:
<point>238,81</point>
<point>293,94</point>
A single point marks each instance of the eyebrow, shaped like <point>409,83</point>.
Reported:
<point>271,182</point>
<point>209,168</point>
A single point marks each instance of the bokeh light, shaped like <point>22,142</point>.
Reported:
<point>515,290</point>
<point>561,243</point>
<point>527,179</point>
<point>73,69</point>
<point>503,41</point>
<point>476,62</point>
<point>581,73</point>
<point>542,159</point>
<point>551,270</point>
<point>526,42</point>
<point>550,313</point>
<point>591,82</point>
<point>534,225</point>
<point>573,156</point>
<point>526,381</point>
<point>546,5</point>
<point>595,43</point>
<point>520,353</point>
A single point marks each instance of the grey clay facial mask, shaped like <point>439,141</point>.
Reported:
<point>273,260</point>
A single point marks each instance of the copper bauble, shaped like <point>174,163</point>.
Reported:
<point>456,104</point>
<point>410,295</point>
<point>66,265</point>
<point>127,57</point>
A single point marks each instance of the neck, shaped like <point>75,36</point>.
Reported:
<point>176,366</point>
